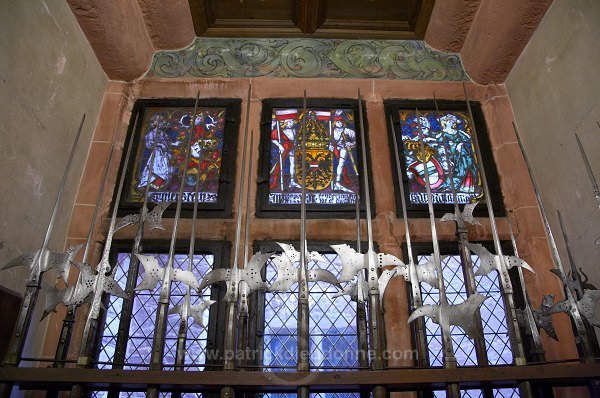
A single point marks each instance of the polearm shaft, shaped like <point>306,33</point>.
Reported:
<point>183,325</point>
<point>134,262</point>
<point>303,320</point>
<point>361,313</point>
<point>587,354</point>
<point>15,349</point>
<point>376,332</point>
<point>530,319</point>
<point>91,324</point>
<point>229,341</point>
<point>243,335</point>
<point>417,300</point>
<point>452,389</point>
<point>514,332</point>
<point>579,289</point>
<point>67,326</point>
<point>465,254</point>
<point>589,170</point>
<point>158,340</point>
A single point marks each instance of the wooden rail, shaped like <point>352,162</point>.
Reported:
<point>556,374</point>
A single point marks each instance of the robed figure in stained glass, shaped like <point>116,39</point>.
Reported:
<point>450,128</point>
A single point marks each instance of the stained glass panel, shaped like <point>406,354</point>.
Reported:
<point>448,146</point>
<point>166,130</point>
<point>331,156</point>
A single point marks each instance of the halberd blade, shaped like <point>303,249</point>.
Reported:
<point>543,318</point>
<point>427,273</point>
<point>587,306</point>
<point>76,294</point>
<point>153,273</point>
<point>214,276</point>
<point>53,298</point>
<point>383,281</point>
<point>388,259</point>
<point>251,274</point>
<point>513,261</point>
<point>186,277</point>
<point>24,260</point>
<point>461,315</point>
<point>352,262</point>
<point>154,218</point>
<point>351,290</point>
<point>322,275</point>
<point>197,311</point>
<point>287,275</point>
<point>130,219</point>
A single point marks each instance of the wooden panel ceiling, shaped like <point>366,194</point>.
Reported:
<point>349,19</point>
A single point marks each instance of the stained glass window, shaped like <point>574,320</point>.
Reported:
<point>333,161</point>
<point>448,149</point>
<point>450,156</point>
<point>331,168</point>
<point>157,160</point>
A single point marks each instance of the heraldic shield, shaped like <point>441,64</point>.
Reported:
<point>319,157</point>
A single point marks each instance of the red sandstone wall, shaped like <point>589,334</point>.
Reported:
<point>388,229</point>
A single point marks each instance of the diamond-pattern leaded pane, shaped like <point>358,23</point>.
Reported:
<point>471,393</point>
<point>506,393</point>
<point>493,316</point>
<point>332,323</point>
<point>464,348</point>
<point>143,316</point>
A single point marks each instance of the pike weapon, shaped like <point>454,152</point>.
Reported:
<point>154,220</point>
<point>584,341</point>
<point>413,269</point>
<point>38,262</point>
<point>358,292</point>
<point>186,309</point>
<point>588,168</point>
<point>100,283</point>
<point>499,262</point>
<point>244,336</point>
<point>68,296</point>
<point>280,155</point>
<point>303,317</point>
<point>154,273</point>
<point>443,314</point>
<point>462,234</point>
<point>527,317</point>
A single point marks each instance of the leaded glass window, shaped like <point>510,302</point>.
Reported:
<point>131,325</point>
<point>333,157</point>
<point>160,149</point>
<point>493,316</point>
<point>449,152</point>
<point>333,324</point>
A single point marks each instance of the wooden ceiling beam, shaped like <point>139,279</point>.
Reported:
<point>309,15</point>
